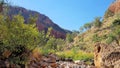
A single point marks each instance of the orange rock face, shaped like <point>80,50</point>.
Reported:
<point>115,7</point>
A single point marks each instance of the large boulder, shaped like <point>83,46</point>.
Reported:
<point>106,56</point>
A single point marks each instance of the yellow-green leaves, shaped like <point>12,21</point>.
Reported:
<point>17,37</point>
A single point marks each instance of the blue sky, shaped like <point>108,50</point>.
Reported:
<point>68,14</point>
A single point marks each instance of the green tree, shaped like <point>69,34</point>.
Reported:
<point>18,38</point>
<point>108,14</point>
<point>87,26</point>
<point>97,22</point>
<point>96,38</point>
<point>48,34</point>
<point>51,43</point>
<point>74,33</point>
<point>60,44</point>
<point>42,38</point>
<point>32,20</point>
<point>69,38</point>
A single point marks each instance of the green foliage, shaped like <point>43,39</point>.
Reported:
<point>75,54</point>
<point>108,14</point>
<point>32,19</point>
<point>60,44</point>
<point>46,51</point>
<point>115,32</point>
<point>116,22</point>
<point>18,38</point>
<point>81,39</point>
<point>69,38</point>
<point>48,34</point>
<point>97,22</point>
<point>51,44</point>
<point>96,38</point>
<point>74,33</point>
<point>110,38</point>
<point>87,25</point>
<point>42,38</point>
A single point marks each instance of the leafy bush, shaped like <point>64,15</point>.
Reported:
<point>110,38</point>
<point>96,38</point>
<point>115,32</point>
<point>88,25</point>
<point>51,44</point>
<point>115,23</point>
<point>69,38</point>
<point>46,51</point>
<point>17,38</point>
<point>108,14</point>
<point>97,22</point>
<point>75,54</point>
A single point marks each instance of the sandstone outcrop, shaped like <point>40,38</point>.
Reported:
<point>115,7</point>
<point>107,56</point>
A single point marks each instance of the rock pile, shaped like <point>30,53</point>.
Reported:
<point>48,61</point>
<point>51,61</point>
<point>43,62</point>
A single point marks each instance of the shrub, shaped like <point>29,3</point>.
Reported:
<point>69,38</point>
<point>108,14</point>
<point>88,25</point>
<point>46,51</point>
<point>75,54</point>
<point>115,32</point>
<point>17,38</point>
<point>115,23</point>
<point>97,22</point>
<point>110,38</point>
<point>96,38</point>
